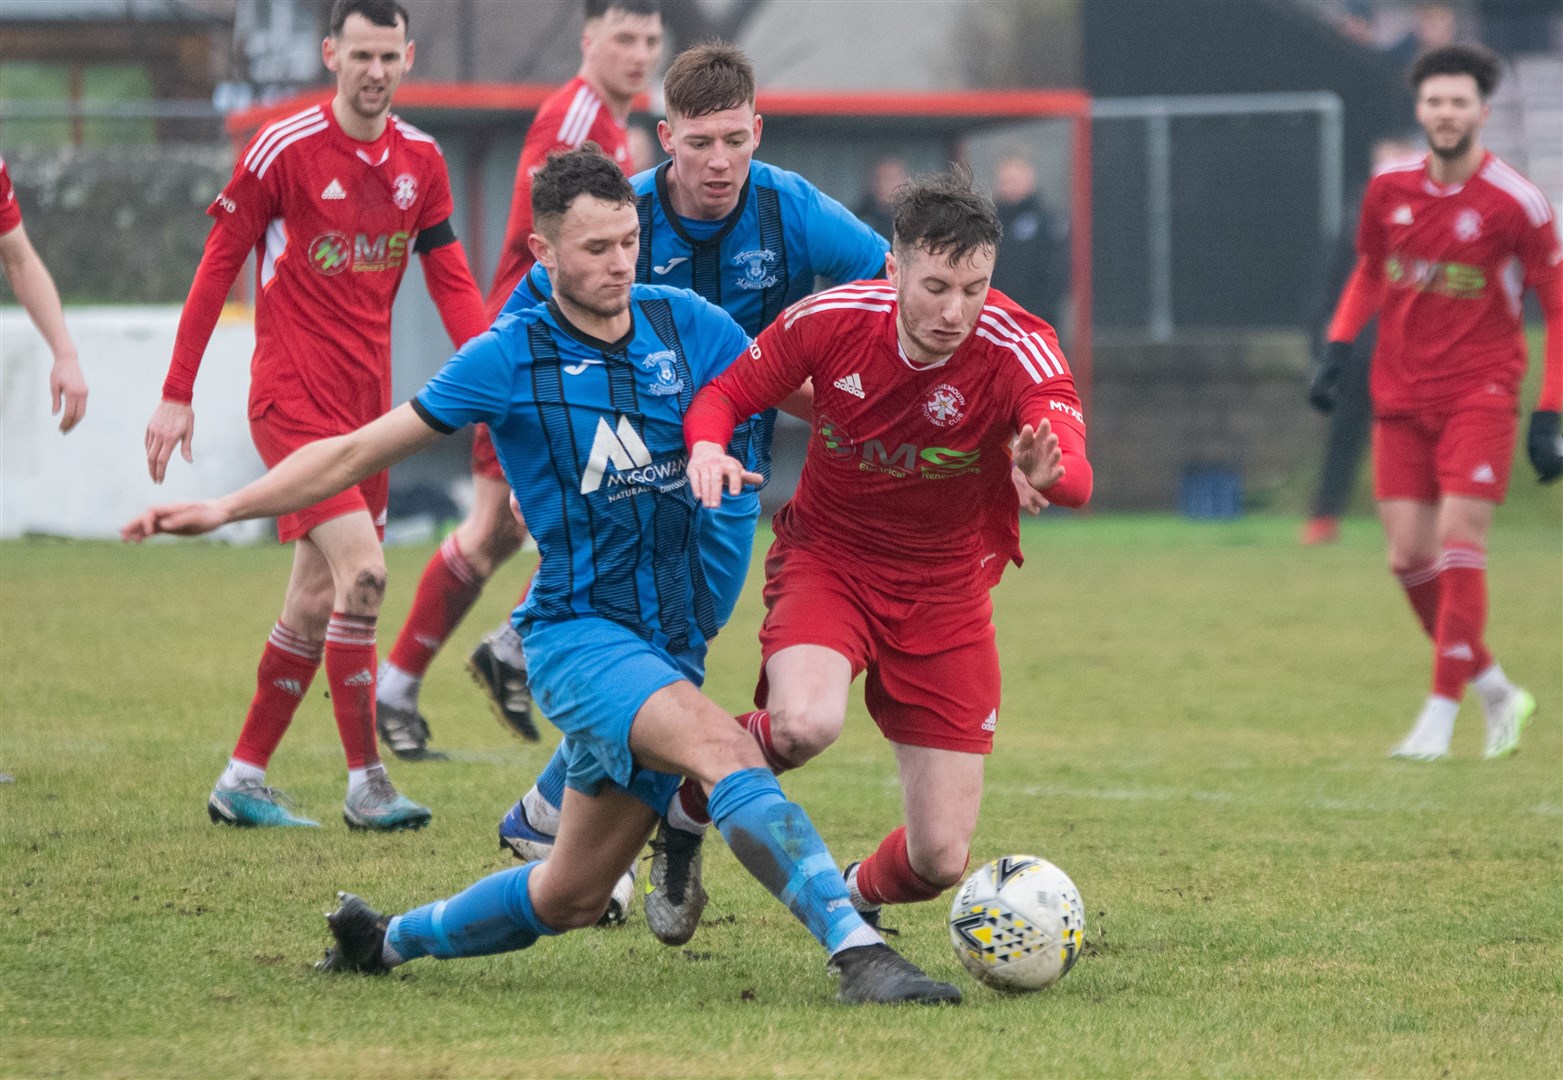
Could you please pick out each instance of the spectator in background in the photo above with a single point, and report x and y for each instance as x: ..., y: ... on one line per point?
x: 1353, y: 412
x: 1433, y: 27
x: 874, y: 208
x: 35, y: 291
x: 1031, y: 266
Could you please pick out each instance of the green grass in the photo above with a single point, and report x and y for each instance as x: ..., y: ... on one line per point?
x: 1194, y: 727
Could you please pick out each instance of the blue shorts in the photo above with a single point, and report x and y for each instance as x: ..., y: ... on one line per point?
x: 590, y: 676
x: 726, y: 545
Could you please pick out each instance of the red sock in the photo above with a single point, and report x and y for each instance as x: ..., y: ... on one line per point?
x: 758, y: 724
x: 287, y: 666
x: 350, y: 669
x: 446, y: 592
x: 887, y: 877
x: 1421, y: 585
x: 1462, y: 617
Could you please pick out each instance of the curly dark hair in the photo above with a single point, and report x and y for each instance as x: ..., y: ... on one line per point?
x: 1473, y: 60
x: 572, y: 173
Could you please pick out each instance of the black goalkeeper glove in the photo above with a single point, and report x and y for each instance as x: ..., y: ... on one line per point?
x: 1325, y: 383
x: 1545, y: 445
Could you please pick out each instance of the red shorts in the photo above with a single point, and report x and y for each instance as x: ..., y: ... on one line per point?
x: 276, y: 437
x: 933, y: 666
x: 485, y: 461
x: 1465, y: 452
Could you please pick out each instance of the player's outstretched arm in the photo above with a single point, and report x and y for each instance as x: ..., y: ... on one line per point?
x: 309, y: 474
x: 711, y: 471
x: 35, y: 291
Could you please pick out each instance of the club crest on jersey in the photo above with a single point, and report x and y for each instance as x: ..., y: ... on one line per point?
x: 945, y: 406
x: 758, y: 268
x: 1468, y: 225
x: 1402, y: 215
x: 404, y: 191
x: 331, y: 253
x: 664, y: 372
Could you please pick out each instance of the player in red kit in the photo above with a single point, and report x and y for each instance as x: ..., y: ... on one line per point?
x: 1446, y: 245
x: 904, y: 516
x: 621, y: 43
x: 35, y: 291
x: 334, y: 201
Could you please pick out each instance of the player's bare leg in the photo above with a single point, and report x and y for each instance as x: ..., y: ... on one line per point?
x: 287, y: 667
x: 807, y: 700
x: 1438, y: 552
x: 599, y: 839
x: 941, y: 794
x: 352, y: 548
x: 450, y: 584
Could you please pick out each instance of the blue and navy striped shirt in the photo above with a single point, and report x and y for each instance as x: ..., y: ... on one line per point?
x: 607, y: 498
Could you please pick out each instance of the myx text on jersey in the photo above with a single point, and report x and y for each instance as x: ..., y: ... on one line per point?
x: 608, y: 502
x: 780, y: 238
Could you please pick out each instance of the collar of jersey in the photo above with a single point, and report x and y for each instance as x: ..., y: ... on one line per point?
x: 608, y: 348
x: 374, y: 154
x: 729, y: 223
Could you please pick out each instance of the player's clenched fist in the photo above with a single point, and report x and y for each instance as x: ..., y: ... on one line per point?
x: 172, y: 424
x: 711, y: 471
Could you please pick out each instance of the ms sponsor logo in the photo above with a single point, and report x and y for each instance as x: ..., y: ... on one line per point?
x: 333, y: 252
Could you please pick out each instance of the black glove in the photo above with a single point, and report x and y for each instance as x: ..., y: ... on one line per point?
x: 1325, y: 383
x: 1544, y: 443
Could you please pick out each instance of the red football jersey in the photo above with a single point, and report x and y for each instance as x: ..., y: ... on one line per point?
x: 332, y: 221
x: 907, y: 475
x: 569, y: 118
x: 10, y: 211
x: 1456, y: 261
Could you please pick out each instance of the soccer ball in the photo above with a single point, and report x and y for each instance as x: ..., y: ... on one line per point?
x: 1017, y: 924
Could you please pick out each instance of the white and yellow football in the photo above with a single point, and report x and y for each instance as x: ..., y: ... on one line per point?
x: 1017, y: 924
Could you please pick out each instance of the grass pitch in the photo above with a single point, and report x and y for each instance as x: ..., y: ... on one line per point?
x: 1195, y: 724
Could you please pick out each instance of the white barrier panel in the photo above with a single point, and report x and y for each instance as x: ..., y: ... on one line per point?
x: 90, y: 482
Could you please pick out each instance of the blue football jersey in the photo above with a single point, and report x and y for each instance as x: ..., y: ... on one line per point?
x: 590, y: 436
x: 783, y: 234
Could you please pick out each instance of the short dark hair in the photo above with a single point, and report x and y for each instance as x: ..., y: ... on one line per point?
x: 944, y: 214
x: 708, y: 78
x: 379, y: 12
x: 596, y: 9
x: 1479, y: 63
x: 571, y: 174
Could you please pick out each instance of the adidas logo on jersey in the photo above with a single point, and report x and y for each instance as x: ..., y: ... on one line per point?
x: 1402, y: 216
x: 1483, y: 474
x: 334, y: 190
x: 851, y: 384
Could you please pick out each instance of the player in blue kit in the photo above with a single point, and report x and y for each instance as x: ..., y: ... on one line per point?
x: 585, y: 397
x: 750, y: 238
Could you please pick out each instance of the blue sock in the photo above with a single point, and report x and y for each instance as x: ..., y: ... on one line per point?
x: 491, y: 916
x: 777, y: 843
x: 550, y: 782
